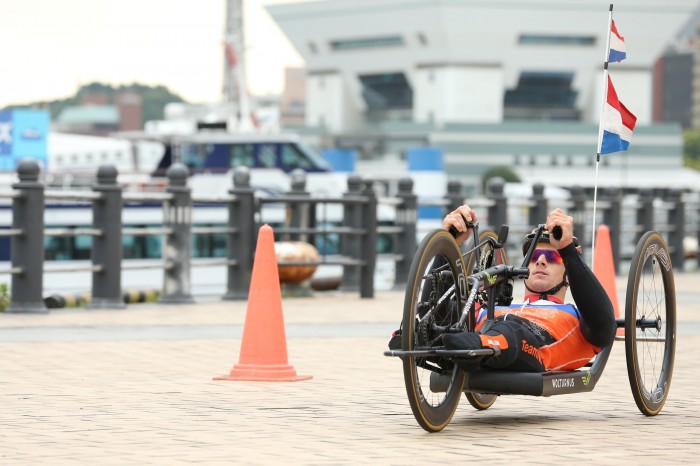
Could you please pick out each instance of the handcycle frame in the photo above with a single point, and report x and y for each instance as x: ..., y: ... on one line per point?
x: 487, y: 285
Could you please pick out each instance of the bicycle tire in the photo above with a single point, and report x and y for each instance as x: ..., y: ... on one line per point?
x: 432, y: 409
x: 482, y: 401
x: 651, y: 298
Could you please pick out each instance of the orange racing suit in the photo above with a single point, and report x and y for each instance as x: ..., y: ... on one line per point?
x: 543, y: 333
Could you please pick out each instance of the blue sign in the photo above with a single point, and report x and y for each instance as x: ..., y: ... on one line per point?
x: 6, y: 133
x: 23, y: 133
x: 342, y: 160
x: 425, y: 159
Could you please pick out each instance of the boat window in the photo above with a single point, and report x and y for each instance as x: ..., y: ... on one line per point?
x: 293, y: 158
x: 312, y: 155
x: 141, y: 247
x: 209, y: 245
x: 154, y: 247
x: 66, y: 248
x: 192, y: 156
x: 267, y: 155
x: 58, y: 248
x: 241, y: 155
x: 83, y: 247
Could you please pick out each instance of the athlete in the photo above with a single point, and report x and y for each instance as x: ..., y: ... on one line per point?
x: 542, y: 333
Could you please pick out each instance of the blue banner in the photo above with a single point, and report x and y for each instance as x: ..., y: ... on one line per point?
x: 23, y: 134
x: 342, y: 160
x: 425, y: 159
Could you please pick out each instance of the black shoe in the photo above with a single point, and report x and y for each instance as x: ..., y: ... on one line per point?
x: 464, y: 341
x: 395, y: 340
x: 461, y: 341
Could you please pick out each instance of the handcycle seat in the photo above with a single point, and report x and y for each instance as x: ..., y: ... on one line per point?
x: 499, y: 382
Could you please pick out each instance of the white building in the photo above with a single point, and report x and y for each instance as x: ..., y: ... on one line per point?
x: 464, y: 61
x: 498, y: 82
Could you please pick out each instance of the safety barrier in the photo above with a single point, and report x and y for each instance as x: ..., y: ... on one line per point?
x: 359, y: 234
x: 675, y: 215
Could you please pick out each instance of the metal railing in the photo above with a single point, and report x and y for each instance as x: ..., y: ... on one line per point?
x: 358, y: 231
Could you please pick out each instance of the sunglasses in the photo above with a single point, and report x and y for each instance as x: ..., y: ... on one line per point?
x: 550, y: 255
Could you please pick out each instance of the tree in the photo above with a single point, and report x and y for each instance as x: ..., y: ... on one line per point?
x: 153, y: 99
x: 500, y: 170
x: 691, y: 148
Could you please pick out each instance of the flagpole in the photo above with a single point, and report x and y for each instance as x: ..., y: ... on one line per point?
x: 600, y: 131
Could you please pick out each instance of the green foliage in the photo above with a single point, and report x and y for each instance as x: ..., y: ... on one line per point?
x: 4, y: 296
x: 500, y: 170
x: 153, y: 99
x: 691, y: 148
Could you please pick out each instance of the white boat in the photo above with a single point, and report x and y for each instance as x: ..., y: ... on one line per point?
x: 211, y: 158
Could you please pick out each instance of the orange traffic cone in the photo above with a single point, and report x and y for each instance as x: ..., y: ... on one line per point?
x: 604, y: 268
x: 264, y: 346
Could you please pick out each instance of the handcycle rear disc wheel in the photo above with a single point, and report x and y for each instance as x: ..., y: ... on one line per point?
x: 650, y: 323
x: 488, y: 257
x: 432, y: 409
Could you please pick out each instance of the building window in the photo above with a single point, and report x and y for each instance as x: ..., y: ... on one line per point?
x: 544, y: 39
x: 386, y: 91
x: 313, y: 48
x: 542, y: 96
x: 367, y: 42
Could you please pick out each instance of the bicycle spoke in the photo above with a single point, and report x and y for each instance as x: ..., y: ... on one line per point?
x: 650, y: 347
x: 433, y: 383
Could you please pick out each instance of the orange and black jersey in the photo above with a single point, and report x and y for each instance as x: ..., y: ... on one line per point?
x: 556, y: 326
x: 569, y: 336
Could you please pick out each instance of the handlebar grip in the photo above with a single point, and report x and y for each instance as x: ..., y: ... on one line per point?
x: 453, y: 231
x: 556, y: 233
x: 520, y: 272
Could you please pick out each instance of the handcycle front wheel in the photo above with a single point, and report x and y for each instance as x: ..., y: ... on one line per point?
x: 488, y: 256
x: 650, y: 323
x: 434, y: 298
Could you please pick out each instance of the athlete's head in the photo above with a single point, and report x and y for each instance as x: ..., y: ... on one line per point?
x: 547, y: 271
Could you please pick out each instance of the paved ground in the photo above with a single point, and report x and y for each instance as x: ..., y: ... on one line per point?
x: 135, y: 387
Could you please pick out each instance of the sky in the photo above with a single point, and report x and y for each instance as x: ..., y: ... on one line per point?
x: 49, y: 48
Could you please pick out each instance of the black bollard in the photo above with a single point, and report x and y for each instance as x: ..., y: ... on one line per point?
x: 178, y: 244
x: 406, y: 218
x: 27, y: 249
x: 369, y: 241
x: 242, y: 240
x: 498, y: 210
x: 351, y: 245
x: 107, y: 247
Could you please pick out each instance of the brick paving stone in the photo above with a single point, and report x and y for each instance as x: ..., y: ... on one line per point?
x: 153, y: 402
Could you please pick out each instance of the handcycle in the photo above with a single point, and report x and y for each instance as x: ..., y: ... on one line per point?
x: 446, y: 288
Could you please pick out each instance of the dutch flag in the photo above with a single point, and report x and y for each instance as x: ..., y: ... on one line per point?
x: 618, y: 123
x: 617, y: 45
